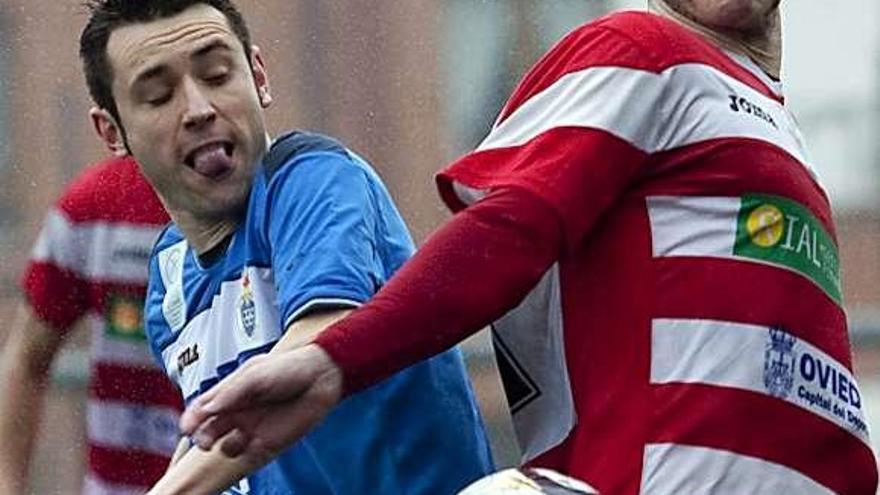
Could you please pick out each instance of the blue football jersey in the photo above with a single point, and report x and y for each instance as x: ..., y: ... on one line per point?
x: 320, y: 232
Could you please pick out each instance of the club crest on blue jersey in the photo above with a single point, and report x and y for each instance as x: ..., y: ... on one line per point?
x: 779, y: 363
x: 247, y: 310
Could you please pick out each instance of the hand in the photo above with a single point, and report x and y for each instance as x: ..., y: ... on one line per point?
x: 267, y: 404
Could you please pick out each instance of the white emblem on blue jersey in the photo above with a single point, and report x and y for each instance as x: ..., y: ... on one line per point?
x: 247, y: 310
x: 779, y: 363
x: 171, y: 270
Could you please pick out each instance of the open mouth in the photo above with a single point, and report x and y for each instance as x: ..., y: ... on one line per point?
x: 212, y: 160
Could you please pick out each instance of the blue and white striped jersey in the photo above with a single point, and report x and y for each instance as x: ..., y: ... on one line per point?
x: 320, y: 232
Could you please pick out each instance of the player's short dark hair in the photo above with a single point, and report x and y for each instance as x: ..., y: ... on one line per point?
x: 107, y: 15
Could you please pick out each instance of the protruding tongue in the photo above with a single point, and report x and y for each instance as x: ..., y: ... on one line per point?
x: 211, y: 161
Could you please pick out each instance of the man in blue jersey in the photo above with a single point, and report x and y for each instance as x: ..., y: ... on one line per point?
x: 270, y: 243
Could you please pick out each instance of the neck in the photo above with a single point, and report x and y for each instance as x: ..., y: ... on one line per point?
x: 203, y: 235
x: 763, y: 46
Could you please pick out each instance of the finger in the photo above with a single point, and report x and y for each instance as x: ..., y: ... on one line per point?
x: 243, y: 389
x: 198, y: 411
x: 234, y: 443
x: 213, y: 428
x: 192, y: 418
x: 194, y: 414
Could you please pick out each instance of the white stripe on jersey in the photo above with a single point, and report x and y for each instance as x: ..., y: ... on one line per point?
x: 757, y: 359
x: 107, y: 251
x: 468, y: 195
x: 671, y: 469
x: 148, y: 428
x: 532, y: 340
x: 208, y: 342
x: 693, y: 226
x: 685, y: 104
x: 707, y: 226
x: 122, y: 352
x: 92, y: 485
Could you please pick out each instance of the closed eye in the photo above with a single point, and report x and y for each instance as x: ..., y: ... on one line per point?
x: 217, y: 79
x: 159, y: 100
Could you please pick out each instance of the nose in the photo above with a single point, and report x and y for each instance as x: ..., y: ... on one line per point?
x: 199, y: 110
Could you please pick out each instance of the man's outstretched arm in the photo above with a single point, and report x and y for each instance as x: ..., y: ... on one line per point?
x: 474, y: 269
x: 210, y: 471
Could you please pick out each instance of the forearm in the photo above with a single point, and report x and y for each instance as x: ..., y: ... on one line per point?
x: 470, y: 272
x: 304, y: 330
x: 24, y: 373
x: 208, y: 472
x: 21, y: 407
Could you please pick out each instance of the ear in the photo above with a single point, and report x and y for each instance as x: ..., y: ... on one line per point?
x: 261, y: 79
x: 108, y: 130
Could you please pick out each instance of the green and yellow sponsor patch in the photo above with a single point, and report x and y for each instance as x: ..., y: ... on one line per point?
x: 780, y: 231
x: 125, y: 318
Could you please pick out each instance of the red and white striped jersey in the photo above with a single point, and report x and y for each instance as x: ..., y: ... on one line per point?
x: 90, y: 261
x: 692, y: 337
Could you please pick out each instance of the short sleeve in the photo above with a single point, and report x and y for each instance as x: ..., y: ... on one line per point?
x: 575, y: 133
x: 52, y: 283
x: 322, y: 223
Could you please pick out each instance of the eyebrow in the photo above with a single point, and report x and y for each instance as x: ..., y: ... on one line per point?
x: 210, y: 47
x: 152, y: 73
x: 159, y: 70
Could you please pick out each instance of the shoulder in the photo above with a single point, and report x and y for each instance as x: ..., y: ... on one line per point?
x: 664, y: 44
x: 637, y: 40
x: 298, y: 144
x: 305, y: 165
x: 112, y: 191
x: 620, y: 49
x: 670, y: 44
x: 170, y: 236
x: 615, y: 44
x: 638, y: 25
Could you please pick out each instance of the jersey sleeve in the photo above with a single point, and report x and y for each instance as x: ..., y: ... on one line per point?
x: 575, y: 133
x: 321, y: 221
x: 52, y: 282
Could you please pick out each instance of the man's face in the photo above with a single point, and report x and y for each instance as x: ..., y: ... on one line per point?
x: 745, y: 16
x: 192, y: 109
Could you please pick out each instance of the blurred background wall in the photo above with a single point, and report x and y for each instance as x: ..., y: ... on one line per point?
x: 411, y: 85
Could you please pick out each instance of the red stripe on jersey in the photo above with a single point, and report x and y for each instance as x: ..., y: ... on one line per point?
x: 701, y: 288
x: 57, y: 296
x: 737, y: 166
x: 94, y: 195
x: 780, y: 433
x: 134, y: 385
x: 579, y: 193
x: 628, y: 40
x: 126, y: 467
x: 100, y: 291
x: 60, y: 297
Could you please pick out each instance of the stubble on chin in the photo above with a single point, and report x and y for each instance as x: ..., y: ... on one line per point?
x: 730, y: 17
